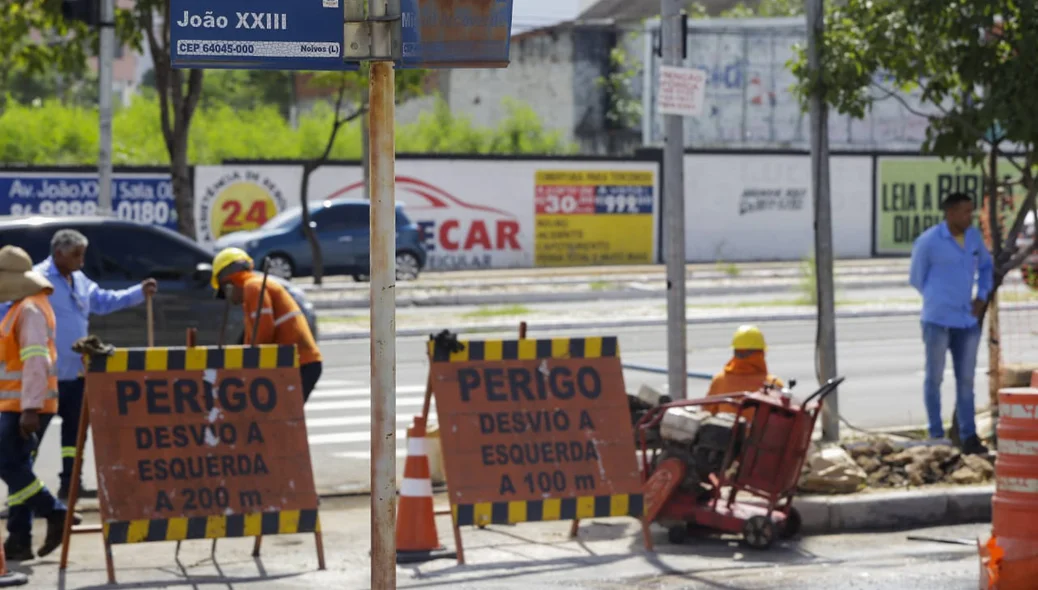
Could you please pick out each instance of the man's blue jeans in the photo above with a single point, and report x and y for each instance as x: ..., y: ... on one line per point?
x: 963, y: 343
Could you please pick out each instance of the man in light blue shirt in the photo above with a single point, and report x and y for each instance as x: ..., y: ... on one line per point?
x: 946, y: 261
x: 75, y: 298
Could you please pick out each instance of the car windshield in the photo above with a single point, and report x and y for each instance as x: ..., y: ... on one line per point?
x: 283, y: 219
x: 291, y: 216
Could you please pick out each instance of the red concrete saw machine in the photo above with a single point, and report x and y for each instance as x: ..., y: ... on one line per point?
x: 728, y: 472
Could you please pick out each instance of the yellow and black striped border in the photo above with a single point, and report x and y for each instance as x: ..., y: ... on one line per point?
x: 197, y: 358
x: 286, y: 522
x: 527, y: 349
x: 583, y: 507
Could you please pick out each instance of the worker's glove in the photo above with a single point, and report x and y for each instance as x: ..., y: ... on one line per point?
x: 447, y: 340
x: 92, y: 345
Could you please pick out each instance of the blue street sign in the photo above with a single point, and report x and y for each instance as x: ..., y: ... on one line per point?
x: 257, y: 34
x: 455, y: 33
x: 308, y: 34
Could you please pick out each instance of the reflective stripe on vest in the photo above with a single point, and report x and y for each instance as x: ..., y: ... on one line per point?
x: 13, y: 357
x: 286, y: 317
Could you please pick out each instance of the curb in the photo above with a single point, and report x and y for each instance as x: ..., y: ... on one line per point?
x: 585, y: 296
x: 897, y: 510
x: 904, y: 311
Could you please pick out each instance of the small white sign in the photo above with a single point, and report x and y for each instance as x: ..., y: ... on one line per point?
x: 682, y: 91
x: 331, y: 3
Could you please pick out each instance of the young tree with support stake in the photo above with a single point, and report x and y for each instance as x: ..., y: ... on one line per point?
x: 973, y: 65
x: 351, y: 95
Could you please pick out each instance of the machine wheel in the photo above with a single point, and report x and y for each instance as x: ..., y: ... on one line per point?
x: 792, y: 524
x: 677, y: 534
x: 759, y: 532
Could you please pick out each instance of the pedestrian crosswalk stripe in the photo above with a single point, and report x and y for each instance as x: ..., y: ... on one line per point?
x: 401, y: 402
x: 334, y: 438
x: 364, y: 392
x: 352, y: 420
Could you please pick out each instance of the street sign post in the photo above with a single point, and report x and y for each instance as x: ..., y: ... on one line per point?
x: 337, y: 35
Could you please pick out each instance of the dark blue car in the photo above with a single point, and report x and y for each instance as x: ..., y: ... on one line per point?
x: 343, y: 230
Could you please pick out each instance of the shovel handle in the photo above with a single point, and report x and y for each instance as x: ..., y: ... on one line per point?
x: 151, y: 321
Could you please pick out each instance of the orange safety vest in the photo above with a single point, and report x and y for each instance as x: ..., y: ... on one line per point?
x: 290, y: 326
x: 11, y: 362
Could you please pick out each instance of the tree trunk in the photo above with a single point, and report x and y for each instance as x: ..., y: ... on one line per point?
x: 994, y: 361
x: 183, y: 187
x: 311, y: 237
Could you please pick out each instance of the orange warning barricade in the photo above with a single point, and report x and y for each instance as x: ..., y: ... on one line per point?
x: 197, y: 443
x: 1009, y: 560
x: 534, y: 430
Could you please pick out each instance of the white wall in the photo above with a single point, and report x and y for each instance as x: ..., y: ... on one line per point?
x: 760, y: 207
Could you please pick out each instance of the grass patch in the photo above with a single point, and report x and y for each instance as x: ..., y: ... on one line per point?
x: 728, y: 268
x: 491, y: 311
x: 601, y: 286
x: 343, y: 319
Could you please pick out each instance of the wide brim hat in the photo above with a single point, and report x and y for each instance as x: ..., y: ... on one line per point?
x: 17, y: 278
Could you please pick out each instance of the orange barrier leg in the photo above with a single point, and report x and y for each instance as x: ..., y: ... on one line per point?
x: 416, y: 537
x: 8, y: 578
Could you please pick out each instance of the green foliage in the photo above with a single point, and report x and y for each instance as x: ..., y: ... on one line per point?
x: 971, y: 62
x: 54, y: 134
x: 624, y: 107
x: 761, y: 9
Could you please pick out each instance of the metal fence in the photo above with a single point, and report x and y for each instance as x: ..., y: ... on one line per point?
x: 749, y: 100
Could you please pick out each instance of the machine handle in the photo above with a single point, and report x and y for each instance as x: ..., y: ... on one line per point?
x: 823, y: 391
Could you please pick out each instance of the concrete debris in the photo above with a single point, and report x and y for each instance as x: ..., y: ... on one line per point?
x: 890, y: 465
x: 831, y: 470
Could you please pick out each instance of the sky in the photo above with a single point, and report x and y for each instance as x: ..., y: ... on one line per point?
x: 532, y: 14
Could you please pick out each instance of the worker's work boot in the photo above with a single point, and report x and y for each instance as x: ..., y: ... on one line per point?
x: 18, y: 549
x: 84, y: 494
x: 55, y: 532
x: 973, y: 446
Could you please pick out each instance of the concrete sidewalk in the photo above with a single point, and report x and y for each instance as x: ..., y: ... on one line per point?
x: 606, y: 554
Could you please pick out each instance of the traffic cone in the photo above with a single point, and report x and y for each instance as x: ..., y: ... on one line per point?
x: 8, y: 578
x: 416, y: 537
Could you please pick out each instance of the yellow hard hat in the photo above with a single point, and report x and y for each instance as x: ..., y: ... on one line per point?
x: 225, y: 259
x: 748, y: 337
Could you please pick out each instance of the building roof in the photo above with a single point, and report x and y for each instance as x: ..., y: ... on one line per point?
x: 636, y: 10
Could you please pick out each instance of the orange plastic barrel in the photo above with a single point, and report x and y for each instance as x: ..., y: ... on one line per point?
x: 1014, y: 518
x: 1015, y: 504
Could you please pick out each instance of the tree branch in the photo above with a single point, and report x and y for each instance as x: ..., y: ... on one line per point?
x: 981, y: 136
x: 162, y: 81
x: 194, y: 94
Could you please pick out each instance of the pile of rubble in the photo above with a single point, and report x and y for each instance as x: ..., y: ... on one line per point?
x: 887, y: 465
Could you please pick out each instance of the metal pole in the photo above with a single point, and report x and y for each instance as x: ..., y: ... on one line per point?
x: 105, y: 64
x: 674, y: 209
x: 365, y: 149
x: 826, y: 340
x: 383, y: 326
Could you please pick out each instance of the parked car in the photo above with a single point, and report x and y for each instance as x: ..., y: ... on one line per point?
x: 122, y: 254
x: 342, y: 229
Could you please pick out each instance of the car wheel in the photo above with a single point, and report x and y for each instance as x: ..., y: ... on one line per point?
x: 280, y: 266
x: 361, y: 278
x: 407, y: 266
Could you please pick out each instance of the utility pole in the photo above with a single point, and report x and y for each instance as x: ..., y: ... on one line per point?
x: 105, y: 65
x: 825, y: 346
x: 673, y: 199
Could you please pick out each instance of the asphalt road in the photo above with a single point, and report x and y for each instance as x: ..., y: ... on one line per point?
x: 880, y: 357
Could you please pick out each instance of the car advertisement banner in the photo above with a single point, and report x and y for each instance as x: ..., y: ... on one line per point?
x: 589, y: 217
x: 513, y: 213
x: 141, y: 197
x: 909, y: 192
x: 241, y: 198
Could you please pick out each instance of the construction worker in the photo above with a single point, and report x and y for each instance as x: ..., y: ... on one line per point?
x: 746, y: 371
x: 28, y: 401
x: 75, y: 299
x: 276, y: 319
